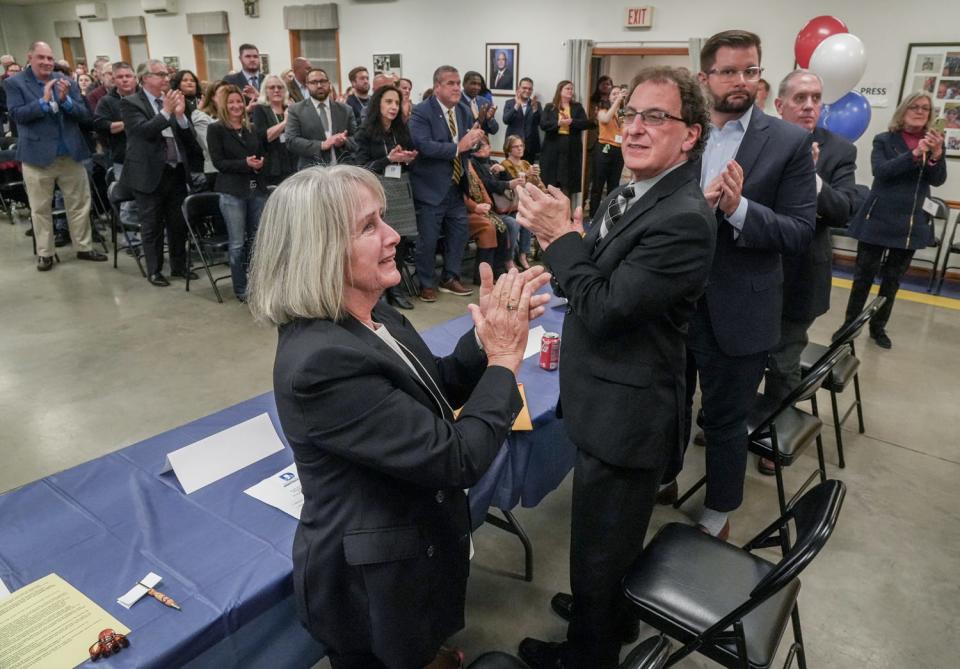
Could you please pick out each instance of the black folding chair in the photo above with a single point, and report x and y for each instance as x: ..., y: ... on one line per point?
x: 208, y: 236
x: 724, y: 602
x: 952, y: 247
x: 12, y: 189
x: 780, y: 432
x: 943, y: 214
x: 846, y: 370
x: 117, y: 194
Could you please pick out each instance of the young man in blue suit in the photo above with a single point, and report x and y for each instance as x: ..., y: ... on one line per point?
x: 522, y: 117
x: 48, y: 110
x: 443, y: 132
x: 758, y: 174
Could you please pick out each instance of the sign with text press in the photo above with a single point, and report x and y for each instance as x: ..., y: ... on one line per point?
x: 639, y: 17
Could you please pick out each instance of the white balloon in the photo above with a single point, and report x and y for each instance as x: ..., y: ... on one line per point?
x: 840, y: 61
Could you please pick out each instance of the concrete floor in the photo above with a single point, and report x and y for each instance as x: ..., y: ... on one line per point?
x: 93, y: 359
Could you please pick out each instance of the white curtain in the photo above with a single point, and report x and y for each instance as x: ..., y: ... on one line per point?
x: 695, y: 46
x: 579, y: 52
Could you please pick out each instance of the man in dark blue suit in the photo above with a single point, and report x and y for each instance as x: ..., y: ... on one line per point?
x: 443, y: 131
x: 758, y: 174
x: 48, y: 110
x: 522, y: 118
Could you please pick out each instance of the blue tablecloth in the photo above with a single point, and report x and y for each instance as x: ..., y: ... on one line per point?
x: 224, y: 556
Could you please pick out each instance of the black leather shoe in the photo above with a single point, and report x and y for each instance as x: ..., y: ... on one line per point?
x: 183, y: 275
x: 668, y: 494
x: 766, y: 467
x: 562, y: 605
x: 542, y: 654
x: 883, y: 341
x: 398, y: 299
x: 158, y: 279
x: 44, y: 264
x: 91, y: 255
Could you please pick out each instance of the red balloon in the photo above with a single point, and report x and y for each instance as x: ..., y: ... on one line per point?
x: 816, y: 30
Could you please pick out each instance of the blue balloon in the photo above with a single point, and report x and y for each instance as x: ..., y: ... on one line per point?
x: 849, y: 116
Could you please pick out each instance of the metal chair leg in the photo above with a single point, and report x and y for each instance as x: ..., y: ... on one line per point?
x: 856, y: 394
x: 836, y: 429
x: 696, y: 486
x: 798, y: 637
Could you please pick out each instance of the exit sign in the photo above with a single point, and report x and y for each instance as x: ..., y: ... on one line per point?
x: 639, y: 17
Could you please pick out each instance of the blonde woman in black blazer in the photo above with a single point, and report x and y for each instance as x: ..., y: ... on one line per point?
x: 380, y: 558
x: 237, y: 153
x: 563, y: 121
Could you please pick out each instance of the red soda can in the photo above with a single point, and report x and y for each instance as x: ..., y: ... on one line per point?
x: 550, y: 351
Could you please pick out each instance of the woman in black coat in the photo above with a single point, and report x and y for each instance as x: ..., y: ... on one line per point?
x: 381, y: 553
x: 563, y: 121
x: 907, y: 161
x: 236, y: 152
x: 269, y: 120
x: 383, y: 146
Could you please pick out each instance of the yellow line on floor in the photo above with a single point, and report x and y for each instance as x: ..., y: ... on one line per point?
x: 909, y: 295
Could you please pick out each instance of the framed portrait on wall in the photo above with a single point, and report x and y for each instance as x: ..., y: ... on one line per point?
x: 388, y: 63
x: 502, y: 67
x: 934, y: 68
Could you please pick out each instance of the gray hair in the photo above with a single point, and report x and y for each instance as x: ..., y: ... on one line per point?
x: 303, y: 244
x: 896, y: 123
x: 785, y: 83
x: 263, y: 90
x: 442, y: 70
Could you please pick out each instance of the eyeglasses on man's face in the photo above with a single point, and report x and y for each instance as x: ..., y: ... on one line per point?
x: 729, y: 74
x: 317, y: 82
x: 162, y: 75
x: 650, y: 117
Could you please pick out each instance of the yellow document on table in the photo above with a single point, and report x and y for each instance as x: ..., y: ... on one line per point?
x: 49, y: 624
x: 523, y: 422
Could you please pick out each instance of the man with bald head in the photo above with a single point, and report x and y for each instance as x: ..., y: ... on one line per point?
x: 298, y: 87
x: 48, y: 110
x: 807, y: 277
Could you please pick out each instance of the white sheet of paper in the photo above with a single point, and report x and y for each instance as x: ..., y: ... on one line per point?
x: 930, y: 206
x: 282, y: 490
x: 219, y: 455
x: 4, y: 593
x: 151, y: 580
x: 533, y: 341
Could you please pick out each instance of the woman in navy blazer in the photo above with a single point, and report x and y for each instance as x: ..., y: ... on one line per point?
x: 380, y: 557
x: 907, y: 161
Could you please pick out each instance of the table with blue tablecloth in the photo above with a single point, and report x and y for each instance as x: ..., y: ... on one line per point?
x: 223, y: 555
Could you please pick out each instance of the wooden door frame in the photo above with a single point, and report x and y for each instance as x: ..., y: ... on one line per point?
x: 199, y: 59
x: 125, y: 48
x: 604, y: 51
x: 296, y: 52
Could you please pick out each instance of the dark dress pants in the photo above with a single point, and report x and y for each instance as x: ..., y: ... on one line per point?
x: 610, y: 513
x: 869, y: 257
x: 449, y: 219
x: 728, y: 389
x: 607, y: 168
x: 159, y: 211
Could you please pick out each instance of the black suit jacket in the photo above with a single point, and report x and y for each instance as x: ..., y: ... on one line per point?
x: 744, y: 296
x: 228, y: 152
x: 381, y: 553
x: 143, y: 163
x: 239, y: 79
x: 807, y: 277
x: 526, y: 125
x: 622, y: 357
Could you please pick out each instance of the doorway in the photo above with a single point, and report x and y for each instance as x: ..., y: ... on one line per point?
x: 621, y: 63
